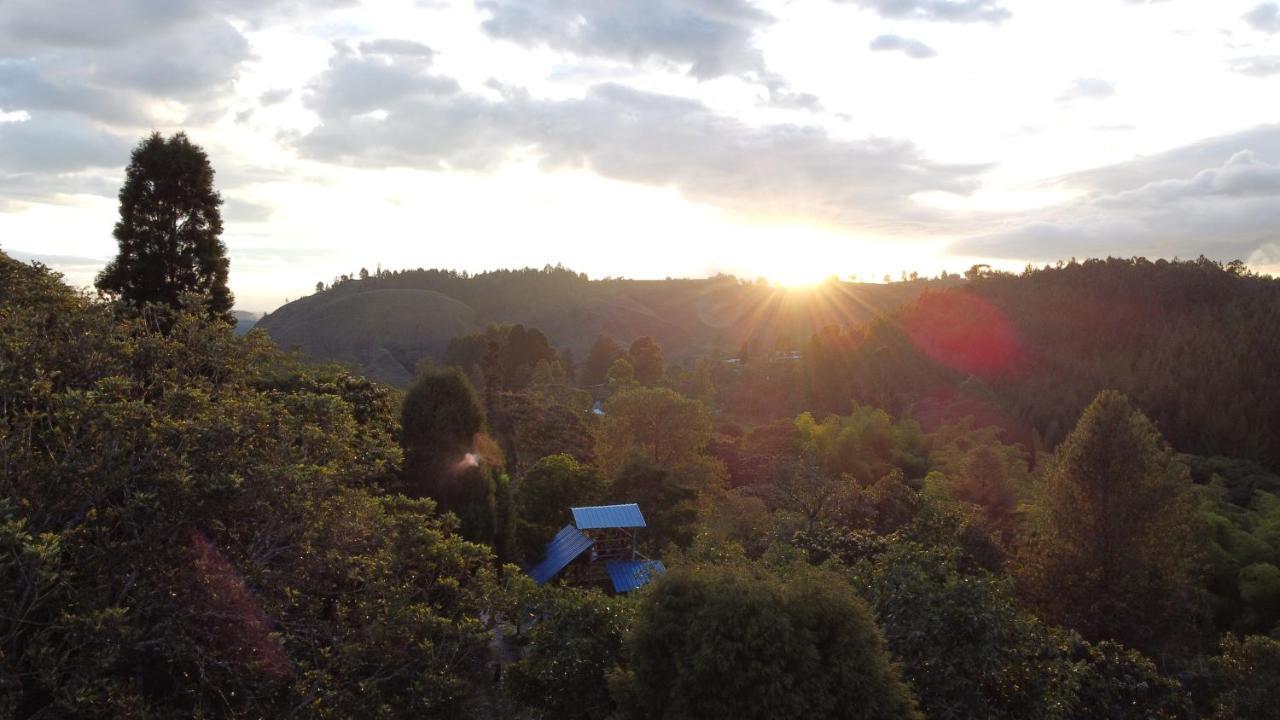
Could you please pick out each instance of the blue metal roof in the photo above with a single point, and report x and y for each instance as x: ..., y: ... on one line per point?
x: 567, y: 545
x: 628, y: 576
x: 608, y: 516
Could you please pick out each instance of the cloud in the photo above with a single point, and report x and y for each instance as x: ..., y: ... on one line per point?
x: 1087, y: 89
x: 1257, y: 66
x: 58, y: 143
x: 707, y: 39
x: 1265, y: 17
x: 958, y: 11
x: 711, y: 37
x: 237, y: 210
x: 275, y: 96
x: 1151, y: 206
x: 774, y: 171
x: 111, y: 61
x: 395, y: 46
x: 911, y: 48
x: 1185, y: 161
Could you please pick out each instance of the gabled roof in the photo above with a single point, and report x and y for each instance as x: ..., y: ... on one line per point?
x: 608, y: 516
x: 563, y: 549
x: 628, y: 576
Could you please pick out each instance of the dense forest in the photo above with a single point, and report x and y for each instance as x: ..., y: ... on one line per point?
x: 201, y: 524
x: 1048, y: 495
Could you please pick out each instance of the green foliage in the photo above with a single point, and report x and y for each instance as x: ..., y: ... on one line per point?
x: 1246, y: 676
x: 169, y: 230
x: 517, y: 353
x: 668, y: 428
x: 739, y: 642
x: 866, y: 445
x: 1244, y: 557
x: 1114, y: 546
x: 544, y: 495
x: 646, y: 357
x: 605, y: 351
x: 1153, y: 330
x: 668, y: 499
x: 959, y: 637
x: 621, y: 375
x: 191, y: 526
x: 446, y: 456
x: 576, y: 640
x: 969, y: 652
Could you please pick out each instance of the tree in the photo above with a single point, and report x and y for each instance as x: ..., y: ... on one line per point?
x: 668, y: 428
x: 169, y: 230
x: 442, y: 433
x: 544, y: 495
x: 646, y: 358
x: 738, y: 642
x: 603, y: 353
x: 1246, y: 676
x: 667, y: 498
x: 234, y: 554
x: 621, y: 375
x: 1113, y: 550
x: 562, y: 671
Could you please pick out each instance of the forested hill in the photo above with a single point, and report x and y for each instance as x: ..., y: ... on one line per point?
x: 386, y: 322
x: 1196, y: 345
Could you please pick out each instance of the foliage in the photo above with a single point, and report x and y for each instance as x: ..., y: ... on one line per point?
x: 1247, y: 674
x: 866, y: 444
x: 605, y: 351
x: 970, y: 652
x: 1055, y: 336
x: 517, y: 351
x: 738, y: 641
x: 544, y: 495
x: 669, y: 429
x: 169, y: 230
x: 1113, y: 551
x: 668, y: 499
x: 576, y: 640
x: 646, y: 357
x: 446, y: 458
x: 188, y: 530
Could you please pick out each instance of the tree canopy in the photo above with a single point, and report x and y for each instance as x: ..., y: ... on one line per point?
x: 169, y: 230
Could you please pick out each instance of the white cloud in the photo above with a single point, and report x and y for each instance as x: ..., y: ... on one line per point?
x: 1087, y: 89
x: 958, y: 11
x: 896, y: 43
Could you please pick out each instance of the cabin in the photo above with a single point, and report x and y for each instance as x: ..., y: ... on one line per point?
x: 599, y: 550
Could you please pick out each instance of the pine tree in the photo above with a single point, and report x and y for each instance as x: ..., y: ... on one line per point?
x: 170, y: 229
x: 1113, y: 552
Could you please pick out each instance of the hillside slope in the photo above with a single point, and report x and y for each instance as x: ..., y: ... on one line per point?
x: 385, y: 324
x: 382, y: 332
x: 1194, y: 343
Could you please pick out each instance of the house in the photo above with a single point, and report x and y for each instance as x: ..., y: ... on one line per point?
x: 599, y: 550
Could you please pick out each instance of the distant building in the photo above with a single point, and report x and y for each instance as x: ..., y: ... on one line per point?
x: 599, y: 550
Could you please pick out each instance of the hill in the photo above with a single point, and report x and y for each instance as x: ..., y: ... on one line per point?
x: 384, y: 331
x: 245, y: 320
x: 386, y: 323
x: 1196, y: 344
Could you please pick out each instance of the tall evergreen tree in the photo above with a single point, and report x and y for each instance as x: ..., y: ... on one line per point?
x: 646, y: 358
x: 1113, y: 551
x: 603, y: 353
x: 169, y: 230
x: 442, y: 425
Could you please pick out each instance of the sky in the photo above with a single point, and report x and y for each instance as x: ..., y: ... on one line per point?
x: 792, y: 140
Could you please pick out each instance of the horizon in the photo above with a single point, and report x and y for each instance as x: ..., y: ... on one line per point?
x: 750, y: 137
